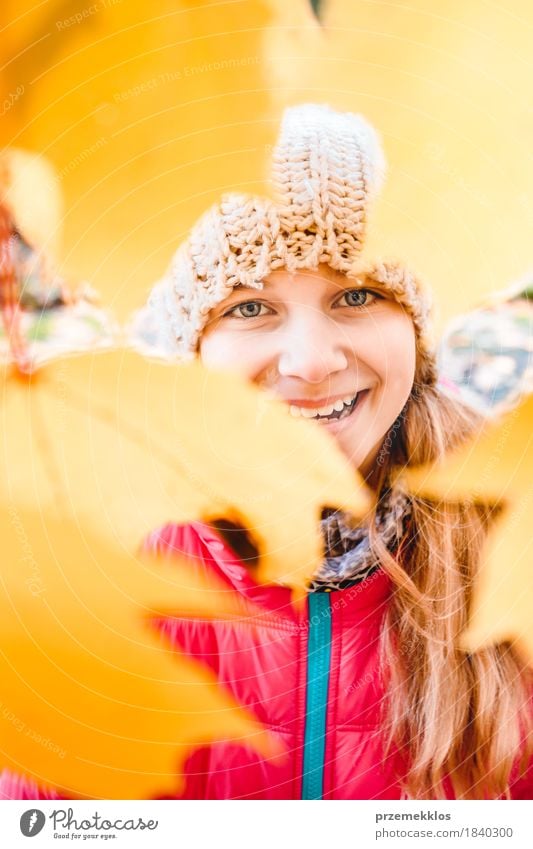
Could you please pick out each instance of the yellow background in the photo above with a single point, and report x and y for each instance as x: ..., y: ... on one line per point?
x: 148, y: 112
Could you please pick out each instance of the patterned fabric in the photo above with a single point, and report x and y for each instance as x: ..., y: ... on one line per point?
x: 488, y: 354
x: 349, y: 558
x: 61, y: 330
x: 38, y: 285
x: 49, y: 324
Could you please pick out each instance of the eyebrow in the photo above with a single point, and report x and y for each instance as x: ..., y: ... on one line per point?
x: 240, y: 292
x: 342, y: 283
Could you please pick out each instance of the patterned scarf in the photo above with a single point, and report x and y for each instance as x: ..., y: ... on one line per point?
x: 349, y: 558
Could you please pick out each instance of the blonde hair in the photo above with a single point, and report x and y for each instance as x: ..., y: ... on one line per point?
x: 460, y: 719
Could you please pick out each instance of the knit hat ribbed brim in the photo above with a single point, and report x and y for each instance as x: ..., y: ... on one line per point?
x: 327, y: 168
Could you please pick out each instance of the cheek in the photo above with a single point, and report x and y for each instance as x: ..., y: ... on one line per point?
x: 401, y: 363
x: 392, y: 358
x: 216, y: 350
x: 222, y: 350
x: 396, y: 343
x: 388, y: 354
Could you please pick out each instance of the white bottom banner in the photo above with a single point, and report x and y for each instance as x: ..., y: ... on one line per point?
x: 269, y: 825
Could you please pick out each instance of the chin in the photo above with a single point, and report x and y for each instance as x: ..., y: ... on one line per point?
x: 363, y: 457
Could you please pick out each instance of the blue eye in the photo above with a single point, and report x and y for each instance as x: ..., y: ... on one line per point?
x: 249, y: 309
x: 358, y: 297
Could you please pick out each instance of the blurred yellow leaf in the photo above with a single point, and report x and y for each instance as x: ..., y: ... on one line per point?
x: 30, y: 190
x: 147, y: 114
x: 496, y: 466
x: 94, y: 703
x: 131, y: 444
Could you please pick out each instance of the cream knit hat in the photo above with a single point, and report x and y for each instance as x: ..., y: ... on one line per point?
x: 327, y: 167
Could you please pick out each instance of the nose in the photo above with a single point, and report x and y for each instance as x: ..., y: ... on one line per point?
x: 311, y: 350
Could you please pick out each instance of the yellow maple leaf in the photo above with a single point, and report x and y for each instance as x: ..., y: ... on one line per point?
x: 495, y: 467
x: 94, y: 702
x: 131, y: 444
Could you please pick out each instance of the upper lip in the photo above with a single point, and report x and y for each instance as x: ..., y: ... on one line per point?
x: 319, y: 402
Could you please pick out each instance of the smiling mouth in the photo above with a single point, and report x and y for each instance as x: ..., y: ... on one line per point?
x: 334, y: 412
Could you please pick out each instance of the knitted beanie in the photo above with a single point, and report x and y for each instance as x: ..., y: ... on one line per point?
x: 327, y: 167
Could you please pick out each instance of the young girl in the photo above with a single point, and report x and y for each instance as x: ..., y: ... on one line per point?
x: 366, y: 686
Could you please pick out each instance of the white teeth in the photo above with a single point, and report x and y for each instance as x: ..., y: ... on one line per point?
x: 313, y: 412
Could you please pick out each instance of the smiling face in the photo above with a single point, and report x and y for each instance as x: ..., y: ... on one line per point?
x: 334, y: 351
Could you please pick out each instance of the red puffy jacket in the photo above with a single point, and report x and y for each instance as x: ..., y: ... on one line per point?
x: 310, y: 674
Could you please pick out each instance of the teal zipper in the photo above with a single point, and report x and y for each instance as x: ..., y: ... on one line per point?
x: 316, y: 697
